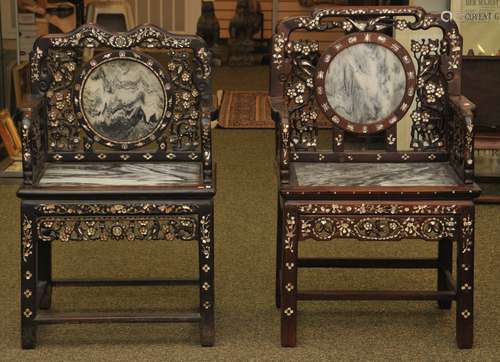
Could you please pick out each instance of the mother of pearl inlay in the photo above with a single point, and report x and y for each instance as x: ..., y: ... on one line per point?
x: 123, y: 100
x: 365, y: 83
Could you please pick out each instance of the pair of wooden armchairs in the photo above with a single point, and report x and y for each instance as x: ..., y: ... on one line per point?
x: 119, y: 148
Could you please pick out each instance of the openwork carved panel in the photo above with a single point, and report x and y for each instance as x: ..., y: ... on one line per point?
x: 428, y: 126
x: 378, y: 228
x: 55, y: 66
x: 438, y: 71
x: 77, y: 222
x: 378, y: 221
x: 300, y: 93
x: 116, y: 228
x: 59, y: 69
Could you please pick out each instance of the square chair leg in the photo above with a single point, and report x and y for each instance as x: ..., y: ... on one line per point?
x: 465, y: 282
x: 206, y: 272
x: 445, y: 261
x: 290, y: 249
x: 29, y: 249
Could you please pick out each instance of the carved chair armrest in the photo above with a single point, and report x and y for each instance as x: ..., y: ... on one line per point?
x: 462, y: 137
x: 279, y: 112
x: 32, y: 142
x: 210, y: 114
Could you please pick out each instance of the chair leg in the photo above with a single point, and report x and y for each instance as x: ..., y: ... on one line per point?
x: 445, y: 258
x: 465, y: 282
x: 290, y: 249
x: 279, y: 255
x: 45, y: 273
x: 206, y: 272
x: 28, y: 282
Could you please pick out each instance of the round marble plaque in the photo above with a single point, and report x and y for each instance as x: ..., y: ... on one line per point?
x: 123, y: 99
x: 365, y: 82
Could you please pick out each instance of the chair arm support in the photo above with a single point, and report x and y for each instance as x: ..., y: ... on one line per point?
x: 279, y: 114
x: 209, y: 114
x: 462, y: 106
x: 462, y: 137
x: 33, y: 154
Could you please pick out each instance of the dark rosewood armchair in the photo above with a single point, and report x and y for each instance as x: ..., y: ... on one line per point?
x: 117, y: 148
x: 364, y: 84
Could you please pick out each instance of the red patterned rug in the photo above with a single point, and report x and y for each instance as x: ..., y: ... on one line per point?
x: 248, y: 109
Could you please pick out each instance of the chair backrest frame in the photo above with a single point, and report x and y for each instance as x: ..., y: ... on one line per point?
x: 56, y: 62
x: 438, y: 62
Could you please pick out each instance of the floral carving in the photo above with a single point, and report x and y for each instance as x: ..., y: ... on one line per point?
x: 377, y: 209
x: 323, y: 228
x: 299, y: 91
x: 206, y: 242
x: 27, y: 238
x: 116, y: 228
x: 377, y: 228
x: 290, y: 223
x: 438, y: 64
x: 467, y: 234
x: 114, y: 209
x: 428, y: 116
x: 57, y: 58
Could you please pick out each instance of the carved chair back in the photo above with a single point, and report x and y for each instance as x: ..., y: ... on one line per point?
x: 364, y: 84
x: 121, y: 105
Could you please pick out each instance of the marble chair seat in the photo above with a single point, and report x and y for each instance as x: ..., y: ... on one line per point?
x: 422, y: 174
x: 121, y: 174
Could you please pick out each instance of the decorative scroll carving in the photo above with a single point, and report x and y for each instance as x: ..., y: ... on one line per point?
x: 114, y: 209
x: 143, y: 37
x: 378, y: 228
x: 383, y: 20
x: 299, y: 90
x: 116, y: 228
x: 428, y: 116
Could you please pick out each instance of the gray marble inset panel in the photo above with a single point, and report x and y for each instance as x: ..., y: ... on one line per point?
x: 123, y: 100
x: 365, y: 83
x: 374, y: 174
x: 122, y: 174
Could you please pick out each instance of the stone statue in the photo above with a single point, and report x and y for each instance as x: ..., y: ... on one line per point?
x: 244, y: 25
x: 208, y: 26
